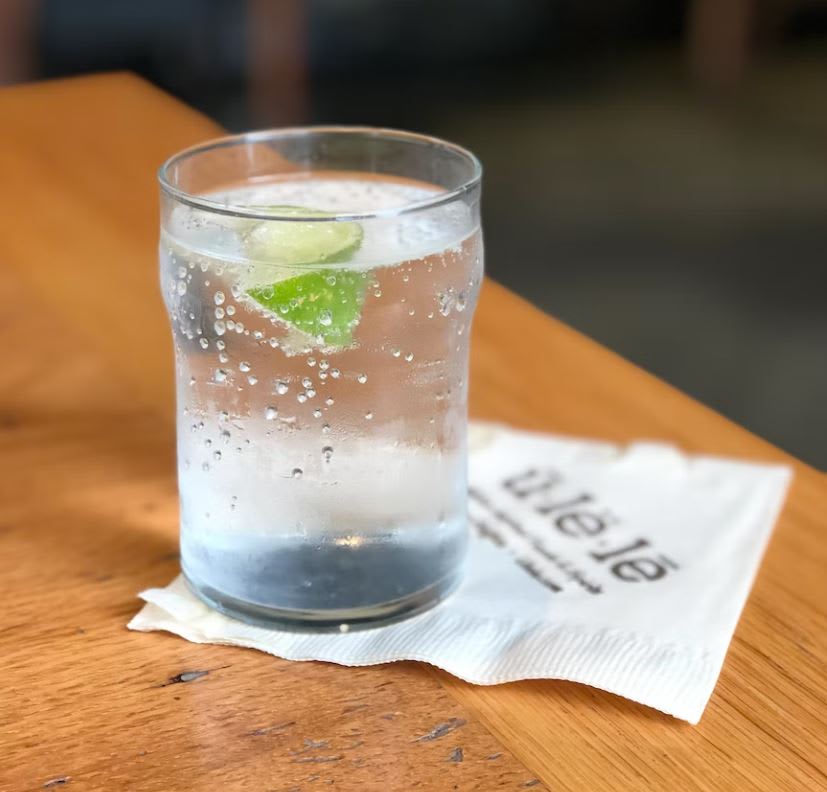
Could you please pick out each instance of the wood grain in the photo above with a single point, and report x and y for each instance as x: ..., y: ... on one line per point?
x: 88, y: 517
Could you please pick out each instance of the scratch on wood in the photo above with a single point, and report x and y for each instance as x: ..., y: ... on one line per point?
x: 312, y: 745
x: 354, y: 708
x: 189, y: 676
x: 319, y: 759
x: 58, y: 781
x: 440, y: 730
x: 493, y: 756
x: 276, y: 727
x: 531, y: 782
x: 456, y: 755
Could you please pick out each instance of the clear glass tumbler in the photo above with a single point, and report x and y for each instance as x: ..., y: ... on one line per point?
x: 320, y: 284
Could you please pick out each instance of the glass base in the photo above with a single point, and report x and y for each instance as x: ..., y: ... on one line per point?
x: 343, y: 620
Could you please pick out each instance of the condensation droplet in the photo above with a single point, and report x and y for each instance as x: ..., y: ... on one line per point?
x: 362, y: 379
x: 219, y: 298
x: 230, y: 310
x: 205, y: 467
x: 207, y: 442
x: 203, y: 343
x: 181, y: 288
x: 220, y: 328
x: 317, y: 413
x: 311, y: 361
x: 216, y: 455
x: 325, y: 318
x: 307, y: 382
x: 327, y: 452
x: 220, y: 375
x: 219, y: 345
x: 225, y: 437
x: 223, y: 357
x: 335, y: 373
x: 396, y: 352
x: 310, y: 393
x: 219, y: 313
x: 409, y: 357
x: 323, y: 365
x: 271, y: 413
x: 274, y: 342
x: 325, y: 428
x: 301, y: 398
x: 281, y: 387
x: 297, y: 473
x: 252, y: 379
x: 244, y: 366
x: 368, y: 416
x: 329, y: 401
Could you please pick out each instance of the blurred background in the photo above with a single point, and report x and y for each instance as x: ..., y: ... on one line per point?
x: 656, y: 170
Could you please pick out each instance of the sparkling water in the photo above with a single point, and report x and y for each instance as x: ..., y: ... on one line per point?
x: 323, y: 482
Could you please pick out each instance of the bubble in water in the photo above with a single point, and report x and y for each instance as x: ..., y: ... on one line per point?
x: 409, y: 357
x: 317, y: 413
x: 252, y: 379
x: 362, y: 379
x: 368, y: 416
x: 244, y: 366
x: 203, y: 343
x: 216, y: 455
x: 329, y: 402
x: 230, y: 310
x: 181, y: 288
x: 325, y: 318
x: 219, y: 298
x: 327, y: 452
x: 297, y: 473
x: 271, y: 413
x: 220, y: 328
x: 396, y: 352
x: 220, y: 375
x: 335, y: 373
x: 281, y: 387
x: 301, y: 398
x: 331, y: 280
x: 445, y: 301
x: 307, y: 382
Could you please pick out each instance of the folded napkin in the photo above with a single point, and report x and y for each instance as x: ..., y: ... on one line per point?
x: 624, y: 568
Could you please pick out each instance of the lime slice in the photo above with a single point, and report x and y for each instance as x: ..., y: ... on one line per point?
x: 324, y: 303
x: 294, y: 242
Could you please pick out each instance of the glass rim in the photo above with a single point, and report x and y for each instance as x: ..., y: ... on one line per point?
x: 238, y: 210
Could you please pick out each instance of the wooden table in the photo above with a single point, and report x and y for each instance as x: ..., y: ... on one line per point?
x: 88, y: 517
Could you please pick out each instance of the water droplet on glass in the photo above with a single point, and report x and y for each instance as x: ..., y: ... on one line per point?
x: 317, y: 413
x: 230, y: 310
x: 327, y: 452
x: 329, y: 402
x: 406, y: 278
x: 335, y: 373
x: 301, y: 398
x: 362, y: 379
x: 396, y: 352
x: 325, y: 428
x: 281, y: 387
x: 310, y: 393
x: 216, y: 455
x: 223, y: 357
x: 181, y: 288
x: 219, y: 298
x: 192, y: 382
x: 207, y: 442
x: 368, y: 416
x: 220, y: 328
x: 274, y: 342
x: 230, y: 324
x: 311, y: 361
x: 223, y: 416
x: 271, y: 413
x: 225, y: 437
x: 297, y: 473
x: 323, y: 365
x: 460, y: 301
x: 219, y: 345
x: 325, y: 318
x: 252, y: 379
x: 307, y: 382
x: 205, y: 467
x: 331, y: 280
x: 239, y: 327
x: 244, y: 366
x: 412, y: 312
x: 203, y: 343
x: 258, y: 335
x: 220, y: 375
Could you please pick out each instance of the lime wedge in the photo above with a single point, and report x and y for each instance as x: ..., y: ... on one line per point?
x: 294, y: 242
x: 324, y: 303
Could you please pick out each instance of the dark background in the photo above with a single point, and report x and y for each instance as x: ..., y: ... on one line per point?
x: 656, y: 171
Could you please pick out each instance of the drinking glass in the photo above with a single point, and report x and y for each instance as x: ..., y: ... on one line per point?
x: 320, y: 284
